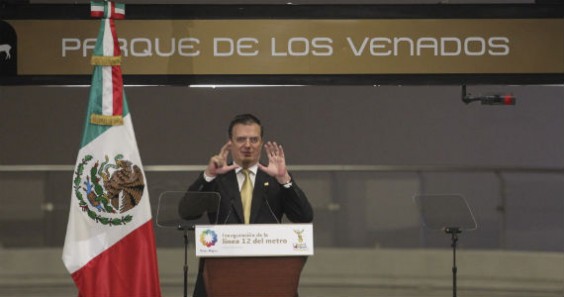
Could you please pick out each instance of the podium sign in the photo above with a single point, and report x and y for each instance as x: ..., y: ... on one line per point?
x: 254, y: 240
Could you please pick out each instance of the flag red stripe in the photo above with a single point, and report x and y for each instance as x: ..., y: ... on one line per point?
x: 96, y: 14
x: 117, y: 51
x: 128, y: 268
x: 117, y: 80
x: 117, y: 83
x: 111, y: 10
x: 116, y: 15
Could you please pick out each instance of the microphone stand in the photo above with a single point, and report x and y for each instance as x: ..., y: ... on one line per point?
x: 185, y: 230
x: 453, y: 231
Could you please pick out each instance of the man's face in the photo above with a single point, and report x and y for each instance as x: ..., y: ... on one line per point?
x: 246, y: 144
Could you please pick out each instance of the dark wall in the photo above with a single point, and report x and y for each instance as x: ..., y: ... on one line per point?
x: 331, y: 125
x: 316, y: 125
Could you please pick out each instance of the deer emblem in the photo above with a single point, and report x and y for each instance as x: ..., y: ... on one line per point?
x: 300, y: 235
x: 5, y: 48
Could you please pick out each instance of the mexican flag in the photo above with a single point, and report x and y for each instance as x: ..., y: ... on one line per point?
x: 110, y: 244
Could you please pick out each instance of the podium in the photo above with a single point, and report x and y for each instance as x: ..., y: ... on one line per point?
x: 253, y: 276
x: 253, y: 260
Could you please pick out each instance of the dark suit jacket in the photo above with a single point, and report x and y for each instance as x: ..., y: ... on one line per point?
x: 270, y: 202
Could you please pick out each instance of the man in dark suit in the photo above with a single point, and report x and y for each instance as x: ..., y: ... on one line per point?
x: 274, y: 192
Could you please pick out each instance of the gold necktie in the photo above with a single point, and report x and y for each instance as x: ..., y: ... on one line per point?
x: 247, y: 196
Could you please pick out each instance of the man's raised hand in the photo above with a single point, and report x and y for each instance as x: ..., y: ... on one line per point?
x: 276, y: 163
x: 218, y: 163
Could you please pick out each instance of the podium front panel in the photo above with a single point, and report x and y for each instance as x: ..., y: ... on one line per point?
x: 253, y: 276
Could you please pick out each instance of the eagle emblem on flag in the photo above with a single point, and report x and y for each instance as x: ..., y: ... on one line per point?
x: 109, y: 189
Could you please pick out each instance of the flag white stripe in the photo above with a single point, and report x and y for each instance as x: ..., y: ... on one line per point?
x: 107, y: 81
x: 107, y: 91
x: 119, y: 9
x: 110, y: 10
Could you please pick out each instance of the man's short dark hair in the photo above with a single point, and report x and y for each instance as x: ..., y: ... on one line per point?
x: 245, y: 119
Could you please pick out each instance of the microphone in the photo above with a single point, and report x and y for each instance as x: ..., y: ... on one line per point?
x: 268, y: 205
x: 271, y: 212
x: 230, y: 211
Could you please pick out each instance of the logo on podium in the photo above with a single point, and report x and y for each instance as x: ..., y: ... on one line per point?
x: 208, y: 238
x: 300, y: 245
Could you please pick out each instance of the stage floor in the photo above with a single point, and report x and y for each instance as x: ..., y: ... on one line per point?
x: 177, y: 290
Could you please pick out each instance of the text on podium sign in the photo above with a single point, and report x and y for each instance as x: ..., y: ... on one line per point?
x: 254, y: 240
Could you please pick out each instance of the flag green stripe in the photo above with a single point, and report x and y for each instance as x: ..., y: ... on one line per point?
x: 99, y: 48
x: 92, y: 131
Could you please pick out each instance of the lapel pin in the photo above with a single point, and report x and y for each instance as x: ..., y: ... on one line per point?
x: 266, y: 184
